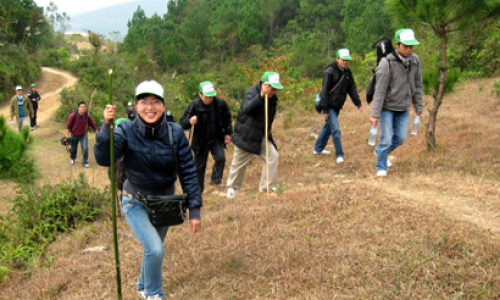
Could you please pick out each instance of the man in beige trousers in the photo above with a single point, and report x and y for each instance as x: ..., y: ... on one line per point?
x: 249, y: 133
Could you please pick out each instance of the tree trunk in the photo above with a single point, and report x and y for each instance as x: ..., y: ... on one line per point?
x: 438, y: 99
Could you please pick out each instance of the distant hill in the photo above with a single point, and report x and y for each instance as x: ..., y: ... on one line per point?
x: 115, y: 17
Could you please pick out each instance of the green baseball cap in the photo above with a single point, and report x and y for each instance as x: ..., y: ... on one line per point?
x: 273, y: 79
x: 344, y: 54
x: 33, y: 85
x: 406, y: 36
x: 207, y: 89
x: 150, y: 87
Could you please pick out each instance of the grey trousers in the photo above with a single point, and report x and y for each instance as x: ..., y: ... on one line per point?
x: 24, y: 121
x: 242, y: 158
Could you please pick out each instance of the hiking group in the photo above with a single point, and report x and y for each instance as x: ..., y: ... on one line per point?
x: 154, y: 151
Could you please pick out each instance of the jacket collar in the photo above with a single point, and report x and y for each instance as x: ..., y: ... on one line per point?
x: 202, y: 107
x: 149, y: 131
x: 335, y: 65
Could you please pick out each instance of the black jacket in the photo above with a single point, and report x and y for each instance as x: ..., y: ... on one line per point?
x: 34, y: 97
x: 336, y: 99
x: 251, y: 122
x: 222, y: 117
x: 148, y: 161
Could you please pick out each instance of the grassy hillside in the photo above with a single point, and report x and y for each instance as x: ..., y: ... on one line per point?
x: 430, y: 230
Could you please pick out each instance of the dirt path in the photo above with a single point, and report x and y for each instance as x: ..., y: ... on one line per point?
x: 51, y: 157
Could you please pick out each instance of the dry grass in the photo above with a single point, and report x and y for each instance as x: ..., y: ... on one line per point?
x: 427, y: 231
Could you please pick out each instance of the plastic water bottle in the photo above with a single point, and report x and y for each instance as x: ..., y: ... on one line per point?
x: 318, y: 99
x: 372, y: 138
x: 11, y: 123
x: 414, y: 128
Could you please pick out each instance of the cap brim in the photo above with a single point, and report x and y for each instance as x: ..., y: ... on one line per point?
x: 276, y: 85
x: 410, y: 43
x: 210, y: 94
x: 346, y: 57
x: 150, y: 93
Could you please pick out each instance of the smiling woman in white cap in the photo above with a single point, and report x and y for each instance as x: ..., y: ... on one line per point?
x: 21, y: 108
x: 150, y: 168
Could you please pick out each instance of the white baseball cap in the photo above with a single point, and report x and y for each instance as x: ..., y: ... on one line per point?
x: 150, y: 87
x: 18, y: 87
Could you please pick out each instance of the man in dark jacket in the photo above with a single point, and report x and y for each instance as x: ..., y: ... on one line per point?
x: 210, y: 120
x: 78, y: 124
x: 34, y: 96
x: 249, y: 133
x: 337, y: 83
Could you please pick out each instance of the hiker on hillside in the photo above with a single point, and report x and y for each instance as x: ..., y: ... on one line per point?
x: 337, y: 83
x: 21, y: 108
x: 210, y: 120
x: 131, y: 112
x: 150, y: 170
x: 34, y: 96
x: 78, y: 124
x: 399, y: 84
x: 249, y: 133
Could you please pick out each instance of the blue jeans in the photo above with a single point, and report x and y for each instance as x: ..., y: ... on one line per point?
x: 151, y: 238
x: 84, y: 141
x: 393, y: 131
x: 332, y: 127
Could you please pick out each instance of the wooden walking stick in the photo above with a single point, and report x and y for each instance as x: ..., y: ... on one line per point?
x: 267, y: 146
x: 113, y: 189
x: 191, y: 133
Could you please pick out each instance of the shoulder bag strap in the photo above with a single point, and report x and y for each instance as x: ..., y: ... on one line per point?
x: 341, y: 78
x: 171, y: 141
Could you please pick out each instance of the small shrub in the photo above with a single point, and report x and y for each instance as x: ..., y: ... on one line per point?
x: 39, y: 214
x: 16, y: 163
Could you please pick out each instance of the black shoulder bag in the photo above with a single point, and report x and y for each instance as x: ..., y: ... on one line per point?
x: 167, y: 210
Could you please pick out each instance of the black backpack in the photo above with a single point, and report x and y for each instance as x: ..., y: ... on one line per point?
x: 384, y: 47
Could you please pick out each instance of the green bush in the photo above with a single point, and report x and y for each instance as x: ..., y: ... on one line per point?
x: 55, y: 58
x: 39, y: 214
x: 17, y: 66
x: 16, y: 163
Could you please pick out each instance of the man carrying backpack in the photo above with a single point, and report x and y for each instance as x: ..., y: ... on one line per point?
x: 399, y: 84
x: 337, y: 83
x: 78, y: 124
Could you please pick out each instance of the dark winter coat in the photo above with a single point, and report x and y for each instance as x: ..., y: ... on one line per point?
x: 222, y: 116
x: 251, y: 122
x: 148, y: 161
x: 336, y: 99
x: 34, y: 97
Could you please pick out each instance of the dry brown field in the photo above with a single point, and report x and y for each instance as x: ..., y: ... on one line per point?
x: 430, y: 230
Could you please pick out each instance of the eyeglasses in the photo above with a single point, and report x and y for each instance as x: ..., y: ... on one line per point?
x: 145, y: 103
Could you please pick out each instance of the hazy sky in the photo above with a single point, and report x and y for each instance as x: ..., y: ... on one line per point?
x: 74, y: 8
